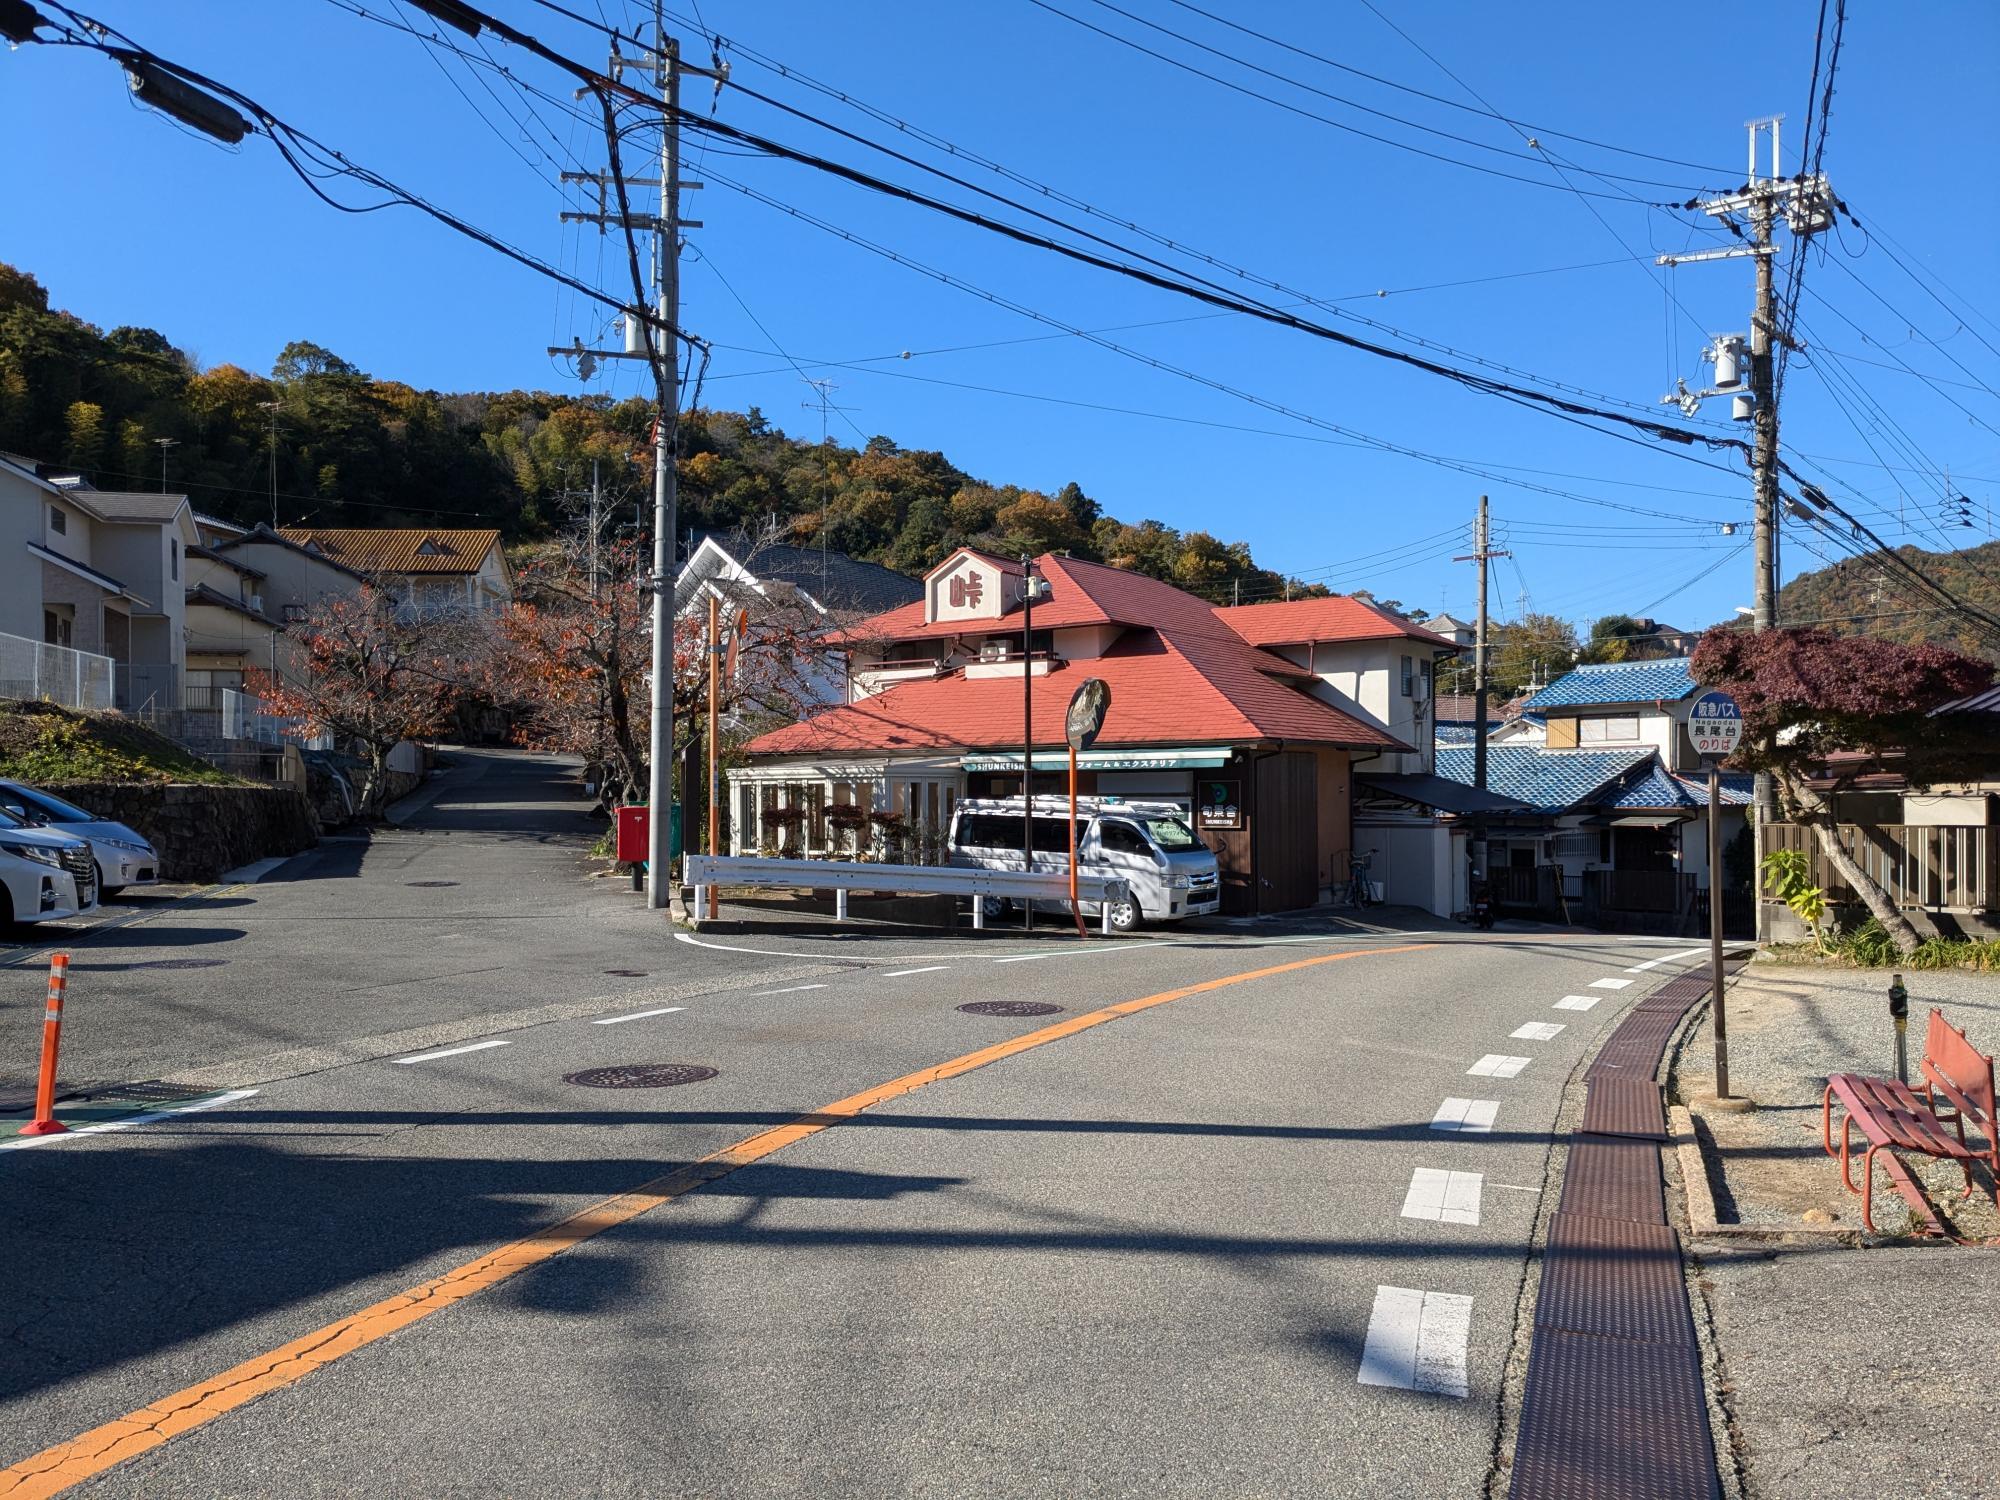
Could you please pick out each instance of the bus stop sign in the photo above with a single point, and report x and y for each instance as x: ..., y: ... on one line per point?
x: 1715, y: 725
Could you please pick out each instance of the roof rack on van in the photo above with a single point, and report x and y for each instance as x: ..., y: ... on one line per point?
x: 1056, y: 806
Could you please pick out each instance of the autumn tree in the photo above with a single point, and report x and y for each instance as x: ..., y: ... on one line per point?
x: 1534, y: 648
x: 1821, y: 709
x: 571, y: 659
x: 369, y: 677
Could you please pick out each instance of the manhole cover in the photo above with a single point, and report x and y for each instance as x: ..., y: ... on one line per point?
x: 641, y: 1076
x: 629, y: 973
x: 430, y: 884
x: 181, y: 963
x: 1010, y: 1008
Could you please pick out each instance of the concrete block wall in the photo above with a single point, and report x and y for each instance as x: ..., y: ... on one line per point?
x: 203, y: 831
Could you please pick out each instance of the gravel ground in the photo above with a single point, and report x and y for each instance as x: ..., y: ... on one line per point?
x: 1789, y: 1027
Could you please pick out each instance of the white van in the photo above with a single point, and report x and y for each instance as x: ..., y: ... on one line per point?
x: 1149, y: 845
x: 44, y: 875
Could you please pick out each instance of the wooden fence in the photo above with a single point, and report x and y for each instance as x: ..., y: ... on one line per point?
x: 1665, y: 892
x: 1953, y: 867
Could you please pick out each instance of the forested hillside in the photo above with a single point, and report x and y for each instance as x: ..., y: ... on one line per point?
x: 1858, y: 597
x: 356, y: 450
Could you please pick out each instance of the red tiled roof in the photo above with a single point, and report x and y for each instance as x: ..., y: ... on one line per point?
x: 1337, y: 617
x: 1182, y: 689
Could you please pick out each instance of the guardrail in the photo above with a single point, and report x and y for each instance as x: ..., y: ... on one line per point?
x: 842, y: 876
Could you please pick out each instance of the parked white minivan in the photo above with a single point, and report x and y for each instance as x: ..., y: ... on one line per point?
x: 124, y: 857
x: 1170, y: 873
x: 44, y: 875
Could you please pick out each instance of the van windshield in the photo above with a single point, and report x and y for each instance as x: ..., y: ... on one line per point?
x: 1172, y: 835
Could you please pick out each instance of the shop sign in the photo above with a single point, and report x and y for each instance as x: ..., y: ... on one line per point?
x: 1219, y: 804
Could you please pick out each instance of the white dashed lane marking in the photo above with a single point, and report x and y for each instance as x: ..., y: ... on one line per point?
x: 1537, y: 1031
x: 1665, y: 958
x: 1466, y: 1116
x: 1493, y: 1065
x: 1416, y: 1341
x: 1448, y: 1197
x: 1577, y: 1002
x: 1610, y: 984
x: 453, y: 1051
x: 639, y: 1015
x: 791, y: 989
x: 928, y: 969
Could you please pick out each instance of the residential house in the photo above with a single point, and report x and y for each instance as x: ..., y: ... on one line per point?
x: 97, y: 572
x: 424, y: 571
x: 798, y: 593
x: 229, y: 632
x: 1623, y: 790
x: 1252, y: 719
x: 1459, y: 632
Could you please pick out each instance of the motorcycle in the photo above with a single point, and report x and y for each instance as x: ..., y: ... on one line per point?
x: 1481, y: 914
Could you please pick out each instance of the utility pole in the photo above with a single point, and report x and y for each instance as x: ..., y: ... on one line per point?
x: 1482, y: 554
x: 165, y: 444
x: 660, y: 348
x: 271, y: 410
x: 1806, y: 204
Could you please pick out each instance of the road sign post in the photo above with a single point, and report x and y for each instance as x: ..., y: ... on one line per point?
x: 1716, y: 727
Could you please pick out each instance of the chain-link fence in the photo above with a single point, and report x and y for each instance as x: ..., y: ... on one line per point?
x: 75, y: 679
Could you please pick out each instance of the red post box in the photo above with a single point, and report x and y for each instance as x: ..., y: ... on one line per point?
x: 634, y: 831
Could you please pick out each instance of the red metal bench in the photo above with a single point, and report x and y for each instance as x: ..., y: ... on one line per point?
x: 1894, y: 1118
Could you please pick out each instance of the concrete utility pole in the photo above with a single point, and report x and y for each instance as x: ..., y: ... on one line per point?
x: 1806, y: 203
x: 165, y: 444
x: 1482, y: 554
x: 658, y: 347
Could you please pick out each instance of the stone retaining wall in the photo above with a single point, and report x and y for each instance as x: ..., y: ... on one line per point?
x: 202, y: 831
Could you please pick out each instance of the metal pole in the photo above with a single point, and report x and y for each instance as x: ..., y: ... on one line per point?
x: 666, y: 274
x: 1479, y: 657
x: 1074, y: 910
x: 1715, y: 927
x: 1027, y: 731
x: 714, y: 754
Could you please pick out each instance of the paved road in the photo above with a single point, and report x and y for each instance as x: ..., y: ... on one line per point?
x: 1145, y: 1257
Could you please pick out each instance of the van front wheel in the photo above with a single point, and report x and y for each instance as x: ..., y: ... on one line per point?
x: 1124, y: 916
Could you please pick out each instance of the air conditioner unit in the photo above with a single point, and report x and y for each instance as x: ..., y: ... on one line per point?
x: 995, y: 650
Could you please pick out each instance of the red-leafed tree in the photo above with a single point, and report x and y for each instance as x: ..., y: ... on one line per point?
x: 371, y: 678
x: 572, y: 659
x: 1821, y: 709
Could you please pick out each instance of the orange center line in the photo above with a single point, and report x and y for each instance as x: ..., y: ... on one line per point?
x: 56, y: 1468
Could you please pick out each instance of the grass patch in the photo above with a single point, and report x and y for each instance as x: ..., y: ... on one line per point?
x: 43, y: 744
x: 1869, y: 946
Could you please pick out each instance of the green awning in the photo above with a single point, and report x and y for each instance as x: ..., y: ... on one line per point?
x: 1164, y: 759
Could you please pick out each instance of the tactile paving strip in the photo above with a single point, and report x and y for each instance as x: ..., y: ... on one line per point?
x: 1614, y: 1177
x: 1612, y: 1419
x: 1614, y: 1278
x: 1625, y: 1106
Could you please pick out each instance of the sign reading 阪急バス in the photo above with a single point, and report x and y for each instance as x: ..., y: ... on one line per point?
x: 1715, y: 724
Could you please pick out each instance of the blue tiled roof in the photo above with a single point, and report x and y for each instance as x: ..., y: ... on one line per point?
x: 1547, y: 780
x: 1454, y: 734
x: 1618, y: 682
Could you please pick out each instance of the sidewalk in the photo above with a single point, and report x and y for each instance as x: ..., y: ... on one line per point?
x: 1845, y: 1369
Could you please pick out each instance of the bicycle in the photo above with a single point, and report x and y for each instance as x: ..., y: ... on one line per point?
x: 1358, y: 891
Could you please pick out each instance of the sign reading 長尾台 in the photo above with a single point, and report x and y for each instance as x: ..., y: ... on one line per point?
x: 1715, y: 724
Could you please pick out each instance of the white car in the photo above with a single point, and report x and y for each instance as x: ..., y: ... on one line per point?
x: 44, y: 875
x: 123, y: 856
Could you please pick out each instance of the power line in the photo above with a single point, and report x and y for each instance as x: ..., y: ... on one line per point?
x: 1308, y: 114
x: 1488, y: 113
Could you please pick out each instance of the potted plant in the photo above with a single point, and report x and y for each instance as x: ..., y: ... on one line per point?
x: 894, y: 833
x: 845, y: 822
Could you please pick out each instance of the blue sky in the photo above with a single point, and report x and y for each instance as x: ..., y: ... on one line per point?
x: 130, y: 220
